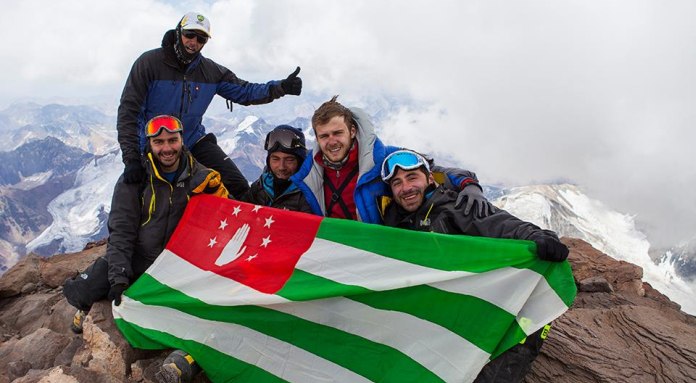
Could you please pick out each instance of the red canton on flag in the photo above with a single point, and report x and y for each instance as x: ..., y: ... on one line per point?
x: 236, y: 240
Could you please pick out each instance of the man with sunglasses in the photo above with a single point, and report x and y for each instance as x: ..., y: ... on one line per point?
x: 420, y: 204
x: 341, y: 178
x: 286, y: 151
x: 143, y: 216
x: 177, y: 80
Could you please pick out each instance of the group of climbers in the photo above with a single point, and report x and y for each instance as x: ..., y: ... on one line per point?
x: 349, y: 174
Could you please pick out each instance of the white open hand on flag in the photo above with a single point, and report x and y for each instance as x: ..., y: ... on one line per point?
x: 235, y: 247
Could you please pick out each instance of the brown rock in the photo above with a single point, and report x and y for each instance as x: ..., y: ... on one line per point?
x: 105, y: 351
x: 56, y: 269
x: 587, y: 262
x: 616, y: 337
x: 595, y: 285
x: 39, y: 349
x: 25, y: 271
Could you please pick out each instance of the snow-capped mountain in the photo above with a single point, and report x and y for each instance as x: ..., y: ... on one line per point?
x: 569, y: 212
x: 682, y: 257
x: 81, y: 126
x: 31, y: 176
x: 80, y: 213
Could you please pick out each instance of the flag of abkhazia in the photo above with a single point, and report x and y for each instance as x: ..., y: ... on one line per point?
x: 257, y: 294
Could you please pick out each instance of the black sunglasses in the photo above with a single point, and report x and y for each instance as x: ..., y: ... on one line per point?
x: 202, y: 39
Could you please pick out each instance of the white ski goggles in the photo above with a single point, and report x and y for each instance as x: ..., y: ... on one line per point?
x: 404, y: 159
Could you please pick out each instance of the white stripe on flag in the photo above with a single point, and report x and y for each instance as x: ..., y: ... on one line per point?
x: 543, y: 306
x: 449, y: 356
x: 279, y: 358
x: 353, y: 266
x: 507, y: 288
x: 179, y: 274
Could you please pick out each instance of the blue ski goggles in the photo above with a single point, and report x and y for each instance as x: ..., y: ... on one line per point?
x: 404, y: 159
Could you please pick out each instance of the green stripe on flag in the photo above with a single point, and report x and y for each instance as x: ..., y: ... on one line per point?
x: 358, y: 354
x: 208, y: 358
x: 450, y: 252
x: 303, y: 286
x: 439, y: 251
x: 449, y: 310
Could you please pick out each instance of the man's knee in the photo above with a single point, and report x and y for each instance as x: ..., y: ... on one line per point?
x: 89, y: 286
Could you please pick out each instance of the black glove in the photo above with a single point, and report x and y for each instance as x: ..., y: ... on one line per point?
x: 292, y: 84
x: 551, y: 249
x: 115, y: 293
x: 473, y: 195
x: 134, y: 172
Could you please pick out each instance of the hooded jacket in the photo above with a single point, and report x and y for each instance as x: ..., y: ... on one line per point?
x: 369, y: 188
x: 438, y: 214
x: 261, y: 193
x: 143, y: 216
x: 159, y: 84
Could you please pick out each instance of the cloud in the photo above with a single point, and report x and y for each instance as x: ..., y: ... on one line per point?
x: 601, y: 93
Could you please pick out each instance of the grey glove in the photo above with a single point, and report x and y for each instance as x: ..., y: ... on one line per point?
x: 472, y: 194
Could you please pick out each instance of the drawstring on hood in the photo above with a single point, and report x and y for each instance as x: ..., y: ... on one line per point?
x: 338, y: 165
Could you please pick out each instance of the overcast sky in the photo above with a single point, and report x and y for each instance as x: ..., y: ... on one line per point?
x: 599, y: 93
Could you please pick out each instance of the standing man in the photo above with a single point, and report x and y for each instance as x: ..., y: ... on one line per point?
x: 341, y: 178
x: 420, y: 204
x: 143, y: 216
x: 177, y: 80
x: 286, y: 151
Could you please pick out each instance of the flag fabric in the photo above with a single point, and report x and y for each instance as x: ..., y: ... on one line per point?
x: 257, y: 294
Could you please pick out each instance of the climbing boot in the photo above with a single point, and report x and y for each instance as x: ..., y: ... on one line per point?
x: 77, y: 321
x: 178, y: 367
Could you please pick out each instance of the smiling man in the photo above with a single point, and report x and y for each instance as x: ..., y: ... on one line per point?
x: 286, y: 150
x: 420, y: 204
x: 340, y: 178
x: 177, y: 80
x: 143, y: 216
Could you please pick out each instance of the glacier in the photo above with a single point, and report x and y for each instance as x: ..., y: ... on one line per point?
x: 565, y: 209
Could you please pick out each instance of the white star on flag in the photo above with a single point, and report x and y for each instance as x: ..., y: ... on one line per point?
x: 223, y: 224
x: 249, y: 258
x: 269, y: 222
x: 266, y: 241
x: 236, y: 211
x: 213, y: 241
x: 256, y: 208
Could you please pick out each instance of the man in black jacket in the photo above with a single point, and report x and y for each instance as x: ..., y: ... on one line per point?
x: 143, y: 217
x: 286, y: 149
x: 420, y: 204
x: 177, y: 80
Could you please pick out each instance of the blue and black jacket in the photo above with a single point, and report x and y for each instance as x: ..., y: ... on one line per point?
x: 159, y: 84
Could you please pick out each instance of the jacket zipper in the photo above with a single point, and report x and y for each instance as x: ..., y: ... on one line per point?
x: 184, y: 86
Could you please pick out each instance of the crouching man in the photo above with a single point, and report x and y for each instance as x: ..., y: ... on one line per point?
x: 143, y: 217
x: 420, y: 204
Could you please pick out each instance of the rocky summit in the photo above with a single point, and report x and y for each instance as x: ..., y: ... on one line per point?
x: 619, y: 329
